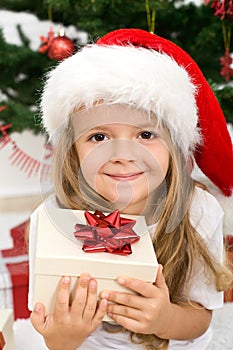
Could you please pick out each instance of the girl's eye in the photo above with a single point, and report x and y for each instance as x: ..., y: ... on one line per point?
x: 98, y: 138
x: 147, y: 135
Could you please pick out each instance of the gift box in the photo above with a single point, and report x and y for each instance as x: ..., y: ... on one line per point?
x: 59, y: 253
x: 14, y: 274
x: 6, y: 330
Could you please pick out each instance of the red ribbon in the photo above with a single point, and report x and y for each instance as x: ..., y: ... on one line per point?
x: 106, y: 233
x: 46, y: 41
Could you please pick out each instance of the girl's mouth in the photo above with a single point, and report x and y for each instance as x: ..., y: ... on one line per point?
x: 125, y: 177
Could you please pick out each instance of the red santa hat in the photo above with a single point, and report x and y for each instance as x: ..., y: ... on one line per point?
x: 138, y: 68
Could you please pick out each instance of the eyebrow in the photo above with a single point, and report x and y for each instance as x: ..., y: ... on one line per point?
x: 139, y: 126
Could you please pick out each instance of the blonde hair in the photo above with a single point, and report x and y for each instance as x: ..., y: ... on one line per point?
x: 175, y: 240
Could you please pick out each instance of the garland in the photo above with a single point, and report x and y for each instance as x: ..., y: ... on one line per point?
x: 224, y: 10
x: 20, y: 158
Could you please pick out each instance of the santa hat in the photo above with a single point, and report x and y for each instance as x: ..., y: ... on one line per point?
x: 138, y: 68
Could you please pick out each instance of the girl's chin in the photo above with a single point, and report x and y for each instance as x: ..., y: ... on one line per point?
x: 130, y: 207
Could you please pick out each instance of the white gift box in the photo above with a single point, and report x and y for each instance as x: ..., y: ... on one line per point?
x: 58, y: 253
x: 6, y: 330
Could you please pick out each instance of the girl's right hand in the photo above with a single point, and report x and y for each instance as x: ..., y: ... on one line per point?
x: 69, y: 325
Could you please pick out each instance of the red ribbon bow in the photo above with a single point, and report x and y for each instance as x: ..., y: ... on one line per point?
x: 106, y: 233
x: 46, y: 41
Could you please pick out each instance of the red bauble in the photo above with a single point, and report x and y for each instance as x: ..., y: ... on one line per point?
x: 61, y: 47
x: 57, y: 48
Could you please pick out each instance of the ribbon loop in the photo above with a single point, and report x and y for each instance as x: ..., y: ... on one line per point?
x: 106, y: 233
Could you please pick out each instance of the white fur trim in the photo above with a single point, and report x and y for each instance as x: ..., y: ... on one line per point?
x: 139, y: 77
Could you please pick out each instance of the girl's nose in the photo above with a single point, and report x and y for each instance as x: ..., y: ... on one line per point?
x: 123, y: 151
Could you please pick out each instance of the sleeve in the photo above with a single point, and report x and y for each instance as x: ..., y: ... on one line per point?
x: 210, y: 226
x: 32, y: 247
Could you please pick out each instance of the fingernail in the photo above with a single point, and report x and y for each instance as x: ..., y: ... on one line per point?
x: 92, y: 284
x: 104, y: 303
x: 86, y: 278
x: 104, y: 295
x: 37, y: 307
x: 120, y: 280
x: 66, y: 279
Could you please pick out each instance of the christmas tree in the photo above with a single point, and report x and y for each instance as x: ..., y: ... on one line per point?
x: 197, y: 29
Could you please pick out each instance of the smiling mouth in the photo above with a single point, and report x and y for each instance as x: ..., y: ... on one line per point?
x: 125, y: 177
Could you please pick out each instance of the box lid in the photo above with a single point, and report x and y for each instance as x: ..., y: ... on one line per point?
x: 59, y: 253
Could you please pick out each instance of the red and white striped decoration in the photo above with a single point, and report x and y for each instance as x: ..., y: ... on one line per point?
x: 23, y: 160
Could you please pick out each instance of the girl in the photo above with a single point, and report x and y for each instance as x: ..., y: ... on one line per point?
x: 127, y: 116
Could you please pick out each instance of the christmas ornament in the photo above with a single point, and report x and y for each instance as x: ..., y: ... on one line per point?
x: 226, y: 70
x: 57, y: 48
x: 20, y: 158
x: 224, y: 10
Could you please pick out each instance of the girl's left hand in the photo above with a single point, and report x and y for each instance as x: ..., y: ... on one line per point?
x: 146, y: 312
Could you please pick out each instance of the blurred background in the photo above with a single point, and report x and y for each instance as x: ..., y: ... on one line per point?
x: 35, y: 36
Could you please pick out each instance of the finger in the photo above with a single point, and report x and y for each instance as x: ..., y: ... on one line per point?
x: 122, y: 298
x: 143, y: 288
x: 127, y: 323
x: 160, y: 280
x: 80, y: 295
x: 125, y: 311
x: 91, y: 302
x: 100, y: 312
x: 38, y: 317
x: 62, y: 298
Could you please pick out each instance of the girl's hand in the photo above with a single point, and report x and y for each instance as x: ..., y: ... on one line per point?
x: 146, y: 312
x: 69, y: 325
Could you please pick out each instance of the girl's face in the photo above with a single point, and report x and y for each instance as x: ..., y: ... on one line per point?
x: 122, y: 155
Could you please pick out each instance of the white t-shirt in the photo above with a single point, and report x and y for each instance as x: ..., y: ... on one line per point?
x: 206, y: 216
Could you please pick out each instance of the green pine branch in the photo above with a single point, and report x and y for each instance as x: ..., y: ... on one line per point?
x: 21, y: 70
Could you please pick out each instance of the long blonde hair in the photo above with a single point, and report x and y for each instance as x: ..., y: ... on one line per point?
x: 175, y: 240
